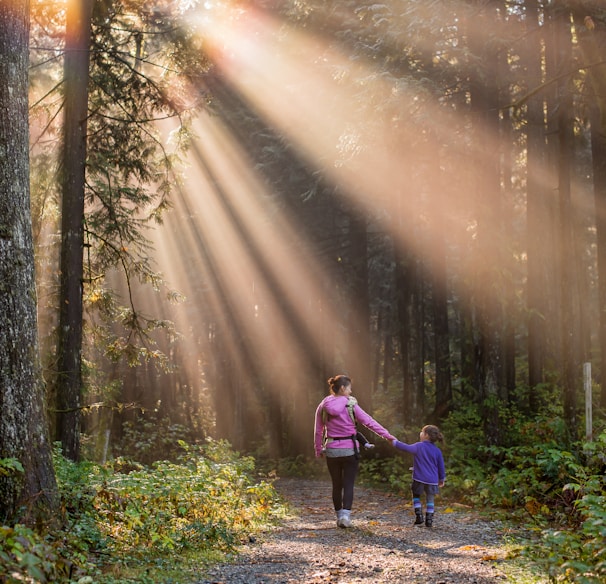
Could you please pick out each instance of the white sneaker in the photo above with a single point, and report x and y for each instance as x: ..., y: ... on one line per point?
x: 344, y: 521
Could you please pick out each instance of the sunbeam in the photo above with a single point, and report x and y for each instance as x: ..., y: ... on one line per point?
x: 388, y: 144
x: 237, y: 256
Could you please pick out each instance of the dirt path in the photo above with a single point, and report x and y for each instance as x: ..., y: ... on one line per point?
x: 382, y: 546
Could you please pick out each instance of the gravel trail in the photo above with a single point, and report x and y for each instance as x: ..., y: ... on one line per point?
x: 382, y: 546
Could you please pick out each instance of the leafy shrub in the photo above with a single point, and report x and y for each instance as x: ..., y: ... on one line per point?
x: 392, y: 472
x: 151, y: 439
x: 26, y: 556
x: 10, y: 466
x: 200, y: 501
x: 299, y: 466
x: 527, y: 465
x: 534, y: 472
x: 578, y: 553
x: 124, y: 521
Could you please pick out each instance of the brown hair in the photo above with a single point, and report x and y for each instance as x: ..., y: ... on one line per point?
x: 433, y: 433
x: 337, y: 382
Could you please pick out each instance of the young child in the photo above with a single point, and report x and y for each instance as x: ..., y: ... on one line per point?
x: 428, y: 473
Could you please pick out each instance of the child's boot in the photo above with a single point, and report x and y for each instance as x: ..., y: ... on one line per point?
x: 429, y: 520
x: 418, y: 517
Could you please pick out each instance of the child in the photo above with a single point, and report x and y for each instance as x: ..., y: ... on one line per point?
x: 428, y: 473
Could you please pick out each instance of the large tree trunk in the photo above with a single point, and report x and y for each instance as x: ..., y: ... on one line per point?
x: 487, y: 288
x: 569, y: 329
x: 69, y: 358
x: 23, y: 426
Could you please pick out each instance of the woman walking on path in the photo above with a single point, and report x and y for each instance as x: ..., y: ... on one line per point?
x: 428, y: 472
x: 335, y: 438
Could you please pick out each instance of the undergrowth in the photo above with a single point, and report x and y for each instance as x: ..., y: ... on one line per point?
x: 161, y: 522
x: 125, y: 522
x: 551, y: 488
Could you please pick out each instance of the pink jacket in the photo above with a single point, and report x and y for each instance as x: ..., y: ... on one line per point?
x: 340, y: 425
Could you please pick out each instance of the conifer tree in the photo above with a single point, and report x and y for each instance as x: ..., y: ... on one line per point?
x: 27, y: 480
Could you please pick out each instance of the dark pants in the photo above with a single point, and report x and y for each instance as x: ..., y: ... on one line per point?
x: 343, y: 471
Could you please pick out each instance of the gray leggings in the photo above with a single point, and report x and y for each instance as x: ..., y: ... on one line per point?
x: 430, y: 493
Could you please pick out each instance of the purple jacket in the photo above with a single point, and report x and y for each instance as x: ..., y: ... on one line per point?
x: 428, y: 462
x: 339, y: 424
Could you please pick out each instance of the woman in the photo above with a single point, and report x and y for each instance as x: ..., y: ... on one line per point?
x: 335, y: 438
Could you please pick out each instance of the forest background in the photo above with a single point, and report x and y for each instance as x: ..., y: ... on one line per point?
x: 233, y: 201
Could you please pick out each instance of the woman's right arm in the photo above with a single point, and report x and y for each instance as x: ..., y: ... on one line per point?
x: 370, y: 423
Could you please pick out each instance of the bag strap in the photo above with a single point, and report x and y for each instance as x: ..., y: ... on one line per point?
x: 351, y: 403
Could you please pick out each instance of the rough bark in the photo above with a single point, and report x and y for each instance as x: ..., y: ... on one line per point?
x: 31, y: 495
x: 69, y: 358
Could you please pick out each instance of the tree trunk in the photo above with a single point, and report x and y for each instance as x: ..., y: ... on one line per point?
x: 537, y: 213
x: 439, y: 296
x: 69, y: 358
x: 566, y: 247
x: 31, y: 495
x: 410, y: 338
x: 487, y: 289
x: 359, y: 364
x: 593, y: 42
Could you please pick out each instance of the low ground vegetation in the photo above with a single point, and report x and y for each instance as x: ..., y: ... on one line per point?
x: 126, y: 521
x: 553, y: 490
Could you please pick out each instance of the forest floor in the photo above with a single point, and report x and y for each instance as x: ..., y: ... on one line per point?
x: 383, y: 546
